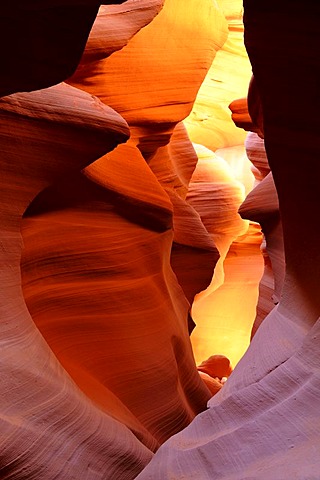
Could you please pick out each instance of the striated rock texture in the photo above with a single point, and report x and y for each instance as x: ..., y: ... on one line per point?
x: 265, y: 423
x: 96, y: 263
x: 49, y: 429
x: 96, y: 268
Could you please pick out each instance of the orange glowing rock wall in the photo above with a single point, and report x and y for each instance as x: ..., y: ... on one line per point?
x: 49, y: 429
x: 223, y: 319
x: 264, y: 423
x: 105, y: 204
x: 100, y: 360
x: 128, y: 313
x: 262, y: 206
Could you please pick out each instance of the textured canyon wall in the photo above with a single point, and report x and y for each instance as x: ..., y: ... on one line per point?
x: 99, y: 176
x: 49, y: 429
x: 222, y: 179
x: 265, y: 423
x: 97, y: 370
x: 129, y: 314
x: 262, y: 206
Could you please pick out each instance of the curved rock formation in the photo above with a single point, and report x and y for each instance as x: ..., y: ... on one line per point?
x: 222, y: 325
x: 267, y: 413
x: 104, y: 270
x: 210, y: 124
x: 114, y: 26
x: 194, y: 253
x: 49, y: 429
x: 262, y: 206
x: 143, y: 73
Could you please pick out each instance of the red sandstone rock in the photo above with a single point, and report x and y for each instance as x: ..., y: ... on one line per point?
x: 262, y: 206
x: 210, y: 122
x: 193, y: 254
x: 267, y: 414
x: 49, y: 429
x: 216, y: 366
x: 114, y: 26
x: 117, y: 291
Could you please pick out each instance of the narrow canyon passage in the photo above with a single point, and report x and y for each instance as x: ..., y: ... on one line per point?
x: 159, y: 283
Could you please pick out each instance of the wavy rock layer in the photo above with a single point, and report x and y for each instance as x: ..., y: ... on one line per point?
x: 262, y: 206
x: 99, y: 284
x: 193, y: 254
x: 264, y: 423
x: 49, y: 429
x: 138, y: 81
x: 127, y: 317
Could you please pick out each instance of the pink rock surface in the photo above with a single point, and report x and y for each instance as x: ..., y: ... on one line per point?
x: 49, y: 429
x: 102, y: 371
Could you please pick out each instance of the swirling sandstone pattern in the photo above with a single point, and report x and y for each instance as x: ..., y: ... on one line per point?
x: 267, y: 414
x: 96, y: 265
x: 210, y: 125
x: 49, y: 429
x: 102, y: 371
x: 261, y: 205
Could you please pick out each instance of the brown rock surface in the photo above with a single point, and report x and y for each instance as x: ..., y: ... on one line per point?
x: 100, y: 285
x: 165, y: 57
x: 103, y: 371
x: 143, y: 73
x: 49, y: 429
x: 262, y: 206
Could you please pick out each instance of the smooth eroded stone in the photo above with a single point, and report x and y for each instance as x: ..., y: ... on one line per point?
x: 49, y: 428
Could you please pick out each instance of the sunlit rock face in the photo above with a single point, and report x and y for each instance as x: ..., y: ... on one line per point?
x: 220, y: 328
x: 102, y: 371
x: 96, y: 264
x: 96, y: 268
x: 223, y: 325
x: 210, y: 122
x: 49, y: 428
x: 194, y: 253
x: 264, y: 423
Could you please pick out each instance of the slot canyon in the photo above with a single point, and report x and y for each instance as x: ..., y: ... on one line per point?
x: 160, y: 260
